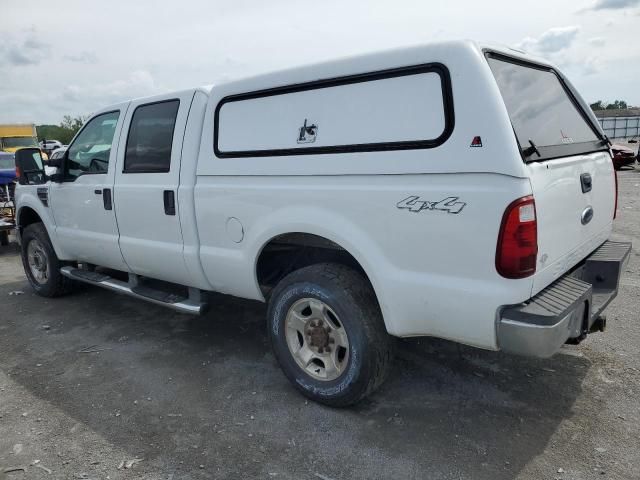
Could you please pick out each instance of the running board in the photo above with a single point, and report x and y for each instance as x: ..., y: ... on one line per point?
x: 192, y: 304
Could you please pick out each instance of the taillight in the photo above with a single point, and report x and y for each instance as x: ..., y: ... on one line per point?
x: 615, y: 204
x: 517, y: 252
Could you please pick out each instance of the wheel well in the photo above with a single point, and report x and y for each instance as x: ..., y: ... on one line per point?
x: 27, y: 216
x: 291, y: 251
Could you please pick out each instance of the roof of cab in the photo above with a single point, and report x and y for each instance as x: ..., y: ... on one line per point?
x: 206, y: 89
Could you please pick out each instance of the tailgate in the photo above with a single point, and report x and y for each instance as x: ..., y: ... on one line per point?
x: 567, y: 161
x: 571, y: 222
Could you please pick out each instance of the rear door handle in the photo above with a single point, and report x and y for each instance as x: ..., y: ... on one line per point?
x: 169, y: 202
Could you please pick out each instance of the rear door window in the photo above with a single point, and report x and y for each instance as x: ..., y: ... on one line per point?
x: 151, y: 137
x: 547, y: 121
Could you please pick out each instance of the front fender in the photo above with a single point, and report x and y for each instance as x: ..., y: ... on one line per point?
x: 27, y: 198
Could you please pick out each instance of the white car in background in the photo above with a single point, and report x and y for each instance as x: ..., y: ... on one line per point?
x: 50, y: 145
x: 58, y: 152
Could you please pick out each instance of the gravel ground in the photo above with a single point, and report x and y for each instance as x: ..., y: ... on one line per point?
x: 93, y: 380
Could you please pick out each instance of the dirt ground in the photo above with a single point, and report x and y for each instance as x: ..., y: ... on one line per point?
x: 93, y: 380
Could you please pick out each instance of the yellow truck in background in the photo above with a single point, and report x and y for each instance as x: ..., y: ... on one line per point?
x: 15, y: 136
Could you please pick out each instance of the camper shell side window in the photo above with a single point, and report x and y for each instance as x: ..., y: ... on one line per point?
x: 396, y: 109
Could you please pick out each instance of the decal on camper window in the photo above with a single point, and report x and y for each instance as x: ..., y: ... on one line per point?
x: 307, y: 134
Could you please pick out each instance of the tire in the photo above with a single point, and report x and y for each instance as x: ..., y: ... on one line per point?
x: 43, y: 270
x: 4, y: 238
x: 349, y: 306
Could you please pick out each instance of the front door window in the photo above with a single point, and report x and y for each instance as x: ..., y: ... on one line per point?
x: 90, y: 151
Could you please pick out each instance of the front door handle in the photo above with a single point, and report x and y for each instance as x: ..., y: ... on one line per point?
x: 586, y: 182
x: 169, y: 202
x: 106, y: 198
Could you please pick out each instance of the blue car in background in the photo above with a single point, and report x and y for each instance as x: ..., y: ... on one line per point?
x: 7, y: 189
x: 7, y: 168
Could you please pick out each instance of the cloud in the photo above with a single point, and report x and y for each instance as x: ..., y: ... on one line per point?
x: 139, y: 83
x: 552, y: 41
x: 613, y: 4
x: 25, y: 50
x: 82, y: 57
x: 558, y: 45
x: 591, y: 66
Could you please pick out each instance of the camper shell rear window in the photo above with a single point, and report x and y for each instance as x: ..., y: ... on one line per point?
x: 547, y: 119
x: 397, y: 109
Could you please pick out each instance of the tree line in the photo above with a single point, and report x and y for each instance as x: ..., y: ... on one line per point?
x: 63, y: 132
x: 616, y: 105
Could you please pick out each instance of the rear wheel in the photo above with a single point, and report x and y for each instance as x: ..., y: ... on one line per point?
x: 41, y: 263
x: 328, y: 334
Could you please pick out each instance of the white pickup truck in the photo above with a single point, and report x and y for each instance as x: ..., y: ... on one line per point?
x: 449, y: 190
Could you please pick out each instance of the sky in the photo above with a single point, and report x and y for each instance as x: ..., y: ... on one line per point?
x: 71, y: 57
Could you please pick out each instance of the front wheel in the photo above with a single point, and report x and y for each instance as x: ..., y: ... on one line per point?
x: 41, y: 264
x: 328, y: 334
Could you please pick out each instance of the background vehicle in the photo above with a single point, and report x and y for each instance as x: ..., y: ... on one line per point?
x: 622, y: 156
x: 7, y: 191
x: 7, y: 166
x: 359, y: 198
x: 50, y: 145
x: 15, y: 136
x: 58, y: 152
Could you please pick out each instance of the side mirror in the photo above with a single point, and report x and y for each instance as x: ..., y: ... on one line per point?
x: 30, y: 167
x: 54, y: 162
x: 53, y: 167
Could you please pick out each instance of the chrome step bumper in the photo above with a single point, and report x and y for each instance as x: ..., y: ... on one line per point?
x: 567, y: 309
x: 173, y: 301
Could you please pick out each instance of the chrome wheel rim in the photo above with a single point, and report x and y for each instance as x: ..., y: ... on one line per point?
x: 37, y: 260
x: 317, y: 339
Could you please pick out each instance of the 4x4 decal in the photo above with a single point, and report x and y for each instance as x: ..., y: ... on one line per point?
x: 415, y: 204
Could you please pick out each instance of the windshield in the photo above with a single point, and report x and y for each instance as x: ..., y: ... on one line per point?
x: 7, y: 162
x: 13, y: 142
x: 545, y: 119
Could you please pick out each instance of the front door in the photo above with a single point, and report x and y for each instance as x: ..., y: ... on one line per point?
x: 146, y: 188
x: 82, y: 204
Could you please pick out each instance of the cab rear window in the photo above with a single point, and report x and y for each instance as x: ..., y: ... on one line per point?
x: 546, y: 119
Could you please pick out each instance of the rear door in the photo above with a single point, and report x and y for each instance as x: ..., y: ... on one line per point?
x: 568, y: 162
x: 146, y: 187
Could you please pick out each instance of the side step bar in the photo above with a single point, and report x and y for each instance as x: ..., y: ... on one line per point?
x: 192, y: 304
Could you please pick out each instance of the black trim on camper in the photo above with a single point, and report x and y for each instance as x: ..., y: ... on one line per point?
x: 447, y: 99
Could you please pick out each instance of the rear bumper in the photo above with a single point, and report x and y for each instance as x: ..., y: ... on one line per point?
x: 567, y: 309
